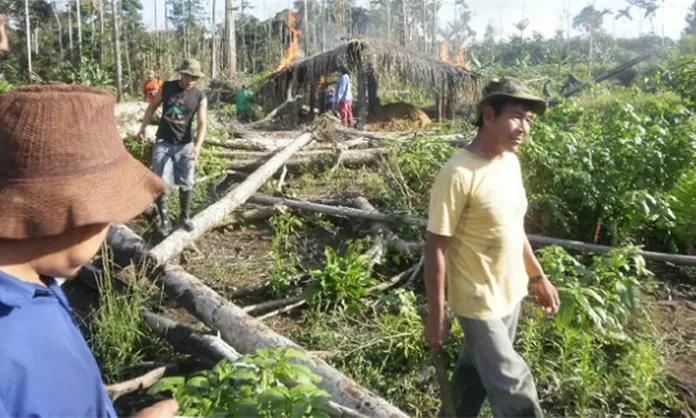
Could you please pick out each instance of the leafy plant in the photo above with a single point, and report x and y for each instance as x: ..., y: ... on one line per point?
x: 283, y: 273
x: 88, y: 72
x: 341, y: 282
x: 267, y: 384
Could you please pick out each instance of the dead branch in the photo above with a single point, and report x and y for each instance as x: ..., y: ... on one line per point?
x: 243, y: 332
x: 283, y: 309
x: 263, y: 306
x: 416, y: 271
x: 145, y: 381
x: 273, y: 113
x: 217, y: 176
x: 399, y: 244
x: 215, y: 213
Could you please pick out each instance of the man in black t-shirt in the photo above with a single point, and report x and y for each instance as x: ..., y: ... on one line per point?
x: 175, y: 152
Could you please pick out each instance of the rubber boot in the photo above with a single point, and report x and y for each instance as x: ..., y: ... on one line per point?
x: 185, y: 201
x: 164, y: 227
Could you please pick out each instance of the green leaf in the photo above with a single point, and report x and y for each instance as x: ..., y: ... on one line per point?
x: 167, y: 384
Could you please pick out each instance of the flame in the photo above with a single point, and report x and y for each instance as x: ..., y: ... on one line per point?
x: 460, y: 60
x: 444, y: 51
x: 293, y: 49
x: 323, y: 82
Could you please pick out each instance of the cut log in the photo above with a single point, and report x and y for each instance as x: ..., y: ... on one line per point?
x: 335, y: 210
x: 611, y: 73
x: 215, y: 213
x: 537, y: 240
x: 239, y: 144
x: 314, y: 158
x: 145, y: 381
x: 209, y: 348
x: 242, y: 331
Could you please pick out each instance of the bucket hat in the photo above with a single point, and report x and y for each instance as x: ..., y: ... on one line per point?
x: 63, y: 164
x: 510, y: 87
x: 192, y: 67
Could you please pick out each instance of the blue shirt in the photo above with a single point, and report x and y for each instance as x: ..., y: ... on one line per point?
x: 343, y: 91
x: 46, y: 367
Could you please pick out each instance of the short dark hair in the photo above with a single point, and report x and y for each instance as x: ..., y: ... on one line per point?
x: 499, y: 103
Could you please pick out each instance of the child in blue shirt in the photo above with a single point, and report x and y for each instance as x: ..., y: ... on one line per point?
x: 65, y: 175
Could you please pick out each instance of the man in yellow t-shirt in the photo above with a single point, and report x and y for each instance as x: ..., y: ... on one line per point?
x: 477, y: 245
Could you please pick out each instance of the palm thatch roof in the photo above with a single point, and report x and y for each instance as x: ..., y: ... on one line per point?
x: 386, y: 62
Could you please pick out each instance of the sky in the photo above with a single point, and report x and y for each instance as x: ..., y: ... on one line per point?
x: 545, y: 16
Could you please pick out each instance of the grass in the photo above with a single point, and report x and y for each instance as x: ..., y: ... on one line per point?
x: 119, y: 336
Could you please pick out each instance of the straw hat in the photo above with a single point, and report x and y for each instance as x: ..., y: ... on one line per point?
x: 63, y: 164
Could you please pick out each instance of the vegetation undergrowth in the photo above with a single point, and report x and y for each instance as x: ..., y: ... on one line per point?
x: 267, y: 384
x: 119, y: 336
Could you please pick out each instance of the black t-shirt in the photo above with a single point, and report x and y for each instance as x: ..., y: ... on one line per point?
x: 179, y: 108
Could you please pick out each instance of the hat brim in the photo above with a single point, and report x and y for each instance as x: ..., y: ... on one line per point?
x: 190, y: 72
x: 538, y: 104
x: 36, y: 207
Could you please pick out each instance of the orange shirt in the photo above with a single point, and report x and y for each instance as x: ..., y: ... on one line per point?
x: 151, y: 87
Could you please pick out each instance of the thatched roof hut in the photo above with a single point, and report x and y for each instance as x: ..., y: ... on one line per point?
x: 371, y: 61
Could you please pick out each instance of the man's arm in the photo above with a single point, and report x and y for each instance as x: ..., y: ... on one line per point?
x: 4, y: 42
x: 149, y: 112
x: 544, y: 290
x: 202, y: 126
x: 435, y: 247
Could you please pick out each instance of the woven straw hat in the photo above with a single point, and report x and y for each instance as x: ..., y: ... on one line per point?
x: 63, y: 164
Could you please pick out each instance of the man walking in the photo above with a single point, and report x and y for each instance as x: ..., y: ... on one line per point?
x: 476, y: 239
x: 175, y: 152
x: 344, y: 97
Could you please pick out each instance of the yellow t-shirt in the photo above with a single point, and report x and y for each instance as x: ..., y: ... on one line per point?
x: 481, y: 204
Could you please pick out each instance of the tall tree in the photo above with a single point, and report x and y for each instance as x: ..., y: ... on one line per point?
x: 27, y: 35
x: 117, y: 49
x: 691, y: 20
x: 231, y: 41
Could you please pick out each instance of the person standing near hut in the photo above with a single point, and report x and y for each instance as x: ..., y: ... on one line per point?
x: 151, y: 86
x: 476, y: 240
x: 243, y: 103
x: 344, y: 96
x: 175, y: 150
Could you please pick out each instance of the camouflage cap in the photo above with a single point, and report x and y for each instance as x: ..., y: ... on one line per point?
x: 191, y: 67
x: 510, y: 87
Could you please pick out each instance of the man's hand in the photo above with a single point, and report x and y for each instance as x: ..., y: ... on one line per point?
x: 141, y: 134
x: 196, y: 152
x: 547, y: 295
x: 162, y: 409
x: 436, y: 330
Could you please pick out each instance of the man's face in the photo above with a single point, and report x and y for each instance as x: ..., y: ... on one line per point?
x: 188, y: 81
x: 509, y: 129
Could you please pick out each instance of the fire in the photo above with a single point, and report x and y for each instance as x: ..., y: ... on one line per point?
x: 323, y: 82
x: 460, y: 60
x: 444, y: 51
x: 294, y: 48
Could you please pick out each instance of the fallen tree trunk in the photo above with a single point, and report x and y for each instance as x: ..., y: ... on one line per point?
x: 335, y: 210
x: 240, y: 144
x: 533, y: 239
x: 215, y: 213
x: 186, y: 340
x: 348, y: 157
x: 608, y: 74
x: 242, y: 331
